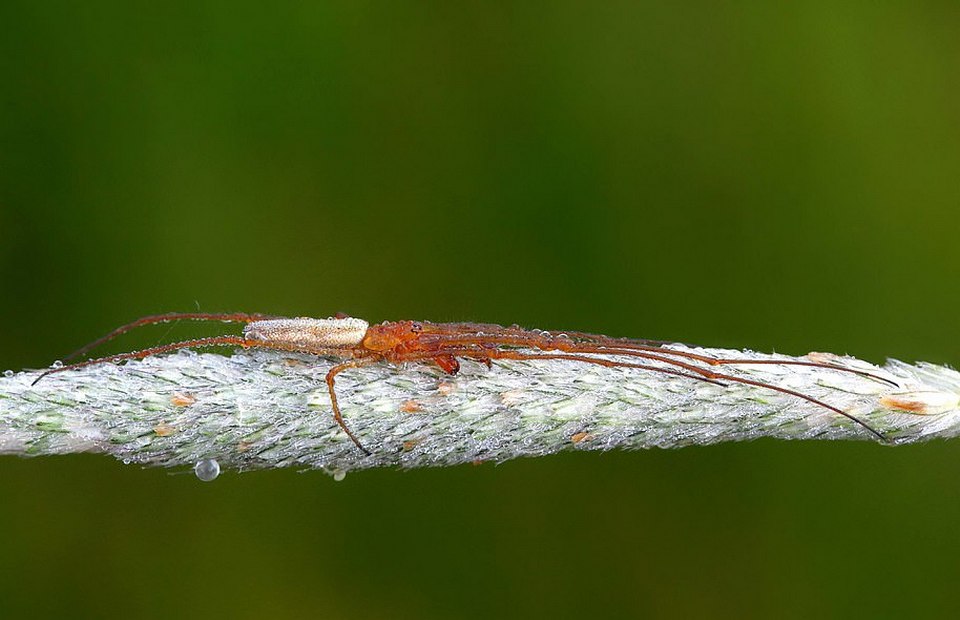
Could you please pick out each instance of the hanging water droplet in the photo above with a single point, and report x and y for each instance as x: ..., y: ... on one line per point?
x: 57, y: 364
x: 339, y: 475
x: 207, y: 470
x: 8, y: 373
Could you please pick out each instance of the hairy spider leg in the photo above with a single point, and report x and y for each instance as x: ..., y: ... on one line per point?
x: 625, y: 343
x: 214, y: 341
x: 554, y: 340
x: 484, y: 356
x: 230, y: 317
x: 487, y: 331
x: 605, y: 344
x: 713, y: 361
x: 708, y: 374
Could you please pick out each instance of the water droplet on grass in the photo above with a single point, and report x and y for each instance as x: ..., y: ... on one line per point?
x: 207, y: 470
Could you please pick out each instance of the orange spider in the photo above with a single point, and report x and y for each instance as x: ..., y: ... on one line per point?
x: 358, y: 344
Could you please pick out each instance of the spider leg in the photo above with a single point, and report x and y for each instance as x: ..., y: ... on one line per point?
x: 485, y: 355
x: 713, y: 361
x: 656, y: 346
x: 486, y: 349
x: 215, y: 341
x: 167, y: 318
x: 331, y: 377
x: 612, y: 346
x: 135, y: 355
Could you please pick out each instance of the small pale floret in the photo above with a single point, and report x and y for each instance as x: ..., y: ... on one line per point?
x: 511, y: 398
x: 581, y: 436
x: 824, y: 358
x: 180, y: 399
x: 922, y: 403
x: 164, y: 430
x: 410, y: 406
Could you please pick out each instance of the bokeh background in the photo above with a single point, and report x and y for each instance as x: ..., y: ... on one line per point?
x: 733, y: 174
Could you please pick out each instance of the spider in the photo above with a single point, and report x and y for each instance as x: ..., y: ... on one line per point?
x: 357, y: 343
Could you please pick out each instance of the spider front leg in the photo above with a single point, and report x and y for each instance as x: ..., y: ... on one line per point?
x: 226, y: 317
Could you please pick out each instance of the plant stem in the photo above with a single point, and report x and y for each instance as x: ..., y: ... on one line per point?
x: 257, y: 410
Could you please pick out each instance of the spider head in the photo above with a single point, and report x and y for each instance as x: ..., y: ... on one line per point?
x: 388, y: 336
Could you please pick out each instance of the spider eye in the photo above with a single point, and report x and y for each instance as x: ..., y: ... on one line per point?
x: 416, y: 328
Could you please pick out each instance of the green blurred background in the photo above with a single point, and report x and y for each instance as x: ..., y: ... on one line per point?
x: 732, y: 174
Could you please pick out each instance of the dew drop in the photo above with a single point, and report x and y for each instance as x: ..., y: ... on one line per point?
x: 339, y: 475
x: 8, y: 373
x: 207, y: 470
x: 57, y: 364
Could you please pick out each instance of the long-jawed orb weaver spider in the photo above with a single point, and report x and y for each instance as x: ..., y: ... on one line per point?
x: 358, y: 343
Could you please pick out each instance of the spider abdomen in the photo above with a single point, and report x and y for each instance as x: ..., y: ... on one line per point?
x: 343, y: 333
